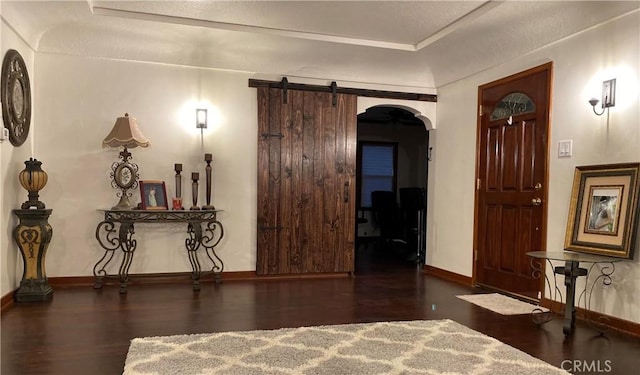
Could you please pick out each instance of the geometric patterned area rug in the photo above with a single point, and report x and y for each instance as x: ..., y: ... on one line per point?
x: 502, y: 304
x: 410, y: 347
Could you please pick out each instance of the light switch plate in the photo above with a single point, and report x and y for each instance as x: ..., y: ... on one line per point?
x: 565, y: 148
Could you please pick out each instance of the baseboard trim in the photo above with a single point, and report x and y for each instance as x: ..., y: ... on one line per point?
x: 7, y: 301
x: 622, y: 325
x: 143, y: 278
x: 447, y: 275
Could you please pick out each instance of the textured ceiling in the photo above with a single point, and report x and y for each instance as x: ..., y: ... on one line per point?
x: 416, y: 44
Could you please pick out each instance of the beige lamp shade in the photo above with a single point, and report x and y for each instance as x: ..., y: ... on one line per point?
x: 125, y: 133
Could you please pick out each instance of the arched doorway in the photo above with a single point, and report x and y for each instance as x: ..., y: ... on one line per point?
x: 391, y: 185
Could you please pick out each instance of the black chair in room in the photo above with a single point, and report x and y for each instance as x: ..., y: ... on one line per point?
x: 387, y: 217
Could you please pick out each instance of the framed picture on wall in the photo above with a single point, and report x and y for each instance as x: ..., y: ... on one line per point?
x: 603, y: 213
x: 153, y: 194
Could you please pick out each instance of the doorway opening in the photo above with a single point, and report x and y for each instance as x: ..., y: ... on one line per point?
x: 391, y: 187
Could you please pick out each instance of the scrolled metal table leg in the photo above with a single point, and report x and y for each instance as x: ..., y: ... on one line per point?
x: 601, y: 323
x: 192, y: 243
x: 538, y: 315
x: 212, y: 235
x: 128, y: 245
x: 107, y: 239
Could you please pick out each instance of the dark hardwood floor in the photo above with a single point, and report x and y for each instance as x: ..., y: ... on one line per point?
x: 84, y: 331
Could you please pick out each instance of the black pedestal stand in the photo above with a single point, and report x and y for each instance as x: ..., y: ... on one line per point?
x: 33, y: 235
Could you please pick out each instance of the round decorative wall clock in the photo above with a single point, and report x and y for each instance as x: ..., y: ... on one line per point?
x: 16, y: 97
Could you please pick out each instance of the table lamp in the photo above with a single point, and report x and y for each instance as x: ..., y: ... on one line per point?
x: 124, y: 173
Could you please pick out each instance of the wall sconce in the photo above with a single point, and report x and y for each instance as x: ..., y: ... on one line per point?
x: 201, y: 123
x: 608, y: 96
x: 201, y: 118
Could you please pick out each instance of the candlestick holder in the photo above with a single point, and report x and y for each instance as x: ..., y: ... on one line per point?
x: 208, y: 158
x: 194, y: 190
x: 177, y: 205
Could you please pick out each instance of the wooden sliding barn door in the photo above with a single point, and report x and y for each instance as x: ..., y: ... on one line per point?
x: 306, y: 181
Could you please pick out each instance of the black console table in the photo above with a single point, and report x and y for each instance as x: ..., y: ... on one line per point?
x: 571, y: 271
x: 116, y: 232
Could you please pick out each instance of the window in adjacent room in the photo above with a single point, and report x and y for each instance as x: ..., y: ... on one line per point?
x: 377, y: 167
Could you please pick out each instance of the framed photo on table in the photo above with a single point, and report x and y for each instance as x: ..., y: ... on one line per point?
x: 153, y: 194
x: 603, y: 212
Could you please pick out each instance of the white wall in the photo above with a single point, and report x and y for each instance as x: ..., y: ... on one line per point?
x: 78, y: 101
x: 11, y: 163
x: 581, y: 63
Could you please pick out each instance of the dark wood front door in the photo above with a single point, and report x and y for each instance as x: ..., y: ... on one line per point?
x: 511, y: 186
x: 306, y: 182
